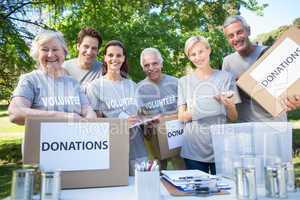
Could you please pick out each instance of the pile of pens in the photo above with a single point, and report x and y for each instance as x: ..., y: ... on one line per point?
x: 150, y: 165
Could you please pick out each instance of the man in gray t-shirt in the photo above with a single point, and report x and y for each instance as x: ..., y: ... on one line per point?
x: 85, y: 68
x: 237, y: 32
x: 157, y: 97
x: 156, y: 94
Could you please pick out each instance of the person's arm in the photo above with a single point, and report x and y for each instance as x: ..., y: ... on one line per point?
x: 88, y: 112
x: 183, y: 114
x: 20, y: 108
x: 170, y: 116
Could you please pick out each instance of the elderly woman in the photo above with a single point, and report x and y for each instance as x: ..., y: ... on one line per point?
x: 48, y: 91
x: 204, y: 99
x: 113, y: 95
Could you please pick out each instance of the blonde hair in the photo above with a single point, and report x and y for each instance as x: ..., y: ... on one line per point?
x: 192, y: 41
x: 44, y: 37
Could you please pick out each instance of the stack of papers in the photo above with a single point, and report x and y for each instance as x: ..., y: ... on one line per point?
x: 185, y: 180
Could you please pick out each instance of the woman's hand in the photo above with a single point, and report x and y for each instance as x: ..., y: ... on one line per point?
x: 183, y: 114
x: 228, y: 101
x: 71, y: 115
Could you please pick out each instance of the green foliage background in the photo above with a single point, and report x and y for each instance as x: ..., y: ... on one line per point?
x: 164, y: 24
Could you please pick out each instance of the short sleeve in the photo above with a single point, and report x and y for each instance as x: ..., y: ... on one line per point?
x: 83, y: 98
x: 92, y: 96
x: 233, y: 87
x: 139, y: 95
x: 181, y: 92
x: 25, y: 88
x: 225, y: 65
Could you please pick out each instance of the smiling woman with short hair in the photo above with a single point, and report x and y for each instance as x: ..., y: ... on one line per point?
x: 204, y: 99
x: 48, y: 91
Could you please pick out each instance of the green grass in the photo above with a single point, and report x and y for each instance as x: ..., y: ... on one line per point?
x: 5, y: 178
x: 10, y: 159
x: 5, y: 125
x: 294, y: 115
x: 10, y: 150
x: 296, y: 162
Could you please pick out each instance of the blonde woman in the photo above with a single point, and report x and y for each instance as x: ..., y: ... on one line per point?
x: 204, y: 98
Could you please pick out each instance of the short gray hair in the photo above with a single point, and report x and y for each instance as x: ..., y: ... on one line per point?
x: 44, y: 37
x: 151, y: 50
x: 192, y: 41
x: 236, y: 18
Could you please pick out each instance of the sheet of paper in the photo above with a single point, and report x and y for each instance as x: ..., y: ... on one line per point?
x: 68, y: 146
x: 145, y: 120
x: 175, y: 133
x: 280, y: 69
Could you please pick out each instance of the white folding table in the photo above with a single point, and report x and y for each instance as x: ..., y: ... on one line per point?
x: 128, y: 193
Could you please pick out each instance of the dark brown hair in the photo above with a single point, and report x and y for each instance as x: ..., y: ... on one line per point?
x: 124, y: 67
x: 89, y: 32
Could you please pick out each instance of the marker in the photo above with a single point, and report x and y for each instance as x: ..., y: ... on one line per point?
x: 149, y: 165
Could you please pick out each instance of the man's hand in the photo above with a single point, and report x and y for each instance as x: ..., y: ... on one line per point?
x: 133, y: 120
x: 291, y: 102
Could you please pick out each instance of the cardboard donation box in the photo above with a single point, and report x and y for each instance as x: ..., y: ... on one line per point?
x: 276, y: 74
x: 88, y: 152
x: 168, y: 137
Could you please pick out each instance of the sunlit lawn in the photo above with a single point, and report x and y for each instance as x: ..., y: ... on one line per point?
x: 10, y: 156
x: 5, y: 125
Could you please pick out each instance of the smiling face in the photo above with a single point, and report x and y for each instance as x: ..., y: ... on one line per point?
x: 51, y: 55
x: 199, y: 55
x: 88, y: 50
x: 114, y: 58
x: 152, y: 66
x: 238, y: 37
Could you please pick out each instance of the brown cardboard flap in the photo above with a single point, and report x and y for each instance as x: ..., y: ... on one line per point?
x: 119, y: 154
x: 259, y: 93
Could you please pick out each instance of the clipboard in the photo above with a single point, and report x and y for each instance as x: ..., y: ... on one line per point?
x: 177, y: 192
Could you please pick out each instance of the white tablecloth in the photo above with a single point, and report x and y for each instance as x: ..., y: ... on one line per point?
x: 128, y: 193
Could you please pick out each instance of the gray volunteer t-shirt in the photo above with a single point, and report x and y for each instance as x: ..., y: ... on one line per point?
x: 83, y: 76
x: 112, y: 98
x: 156, y: 98
x: 198, y: 96
x: 249, y: 110
x: 52, y: 94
